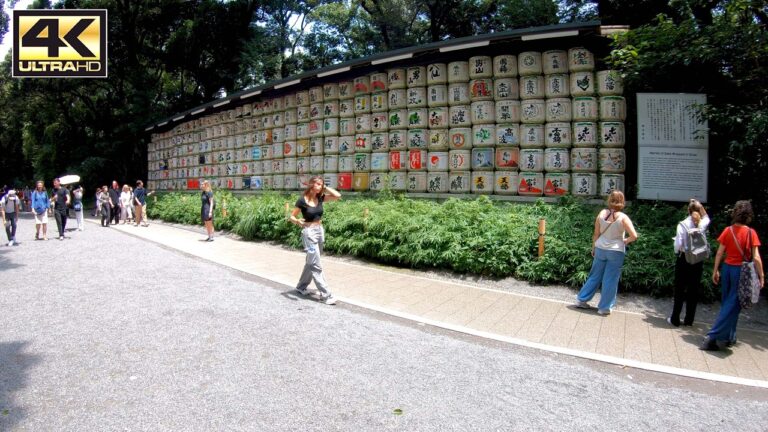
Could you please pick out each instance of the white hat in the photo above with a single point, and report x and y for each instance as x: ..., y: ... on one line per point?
x: 12, y: 192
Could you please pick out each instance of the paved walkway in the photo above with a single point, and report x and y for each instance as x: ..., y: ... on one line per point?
x: 624, y: 338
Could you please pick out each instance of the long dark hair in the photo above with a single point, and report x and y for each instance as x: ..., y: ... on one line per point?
x: 311, y: 183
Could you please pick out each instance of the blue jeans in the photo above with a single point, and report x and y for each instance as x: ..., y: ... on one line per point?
x: 606, y: 271
x: 724, y: 328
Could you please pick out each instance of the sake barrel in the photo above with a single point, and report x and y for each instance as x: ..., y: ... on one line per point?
x: 459, y: 181
x: 290, y: 117
x: 346, y: 162
x: 362, y: 104
x: 398, y: 119
x: 460, y: 138
x: 481, y: 89
x: 266, y: 136
x: 612, y: 160
x: 532, y: 87
x: 438, y: 139
x: 331, y: 180
x: 330, y: 91
x: 398, y: 98
x: 582, y: 83
x: 289, y: 131
x: 418, y: 118
x: 396, y: 78
x: 480, y: 67
x: 507, y: 111
x: 362, y: 123
x: 379, y: 142
x: 379, y: 102
x: 437, y: 182
x: 508, y: 134
x: 556, y: 160
x: 558, y: 110
x: 277, y: 151
x: 289, y: 165
x: 438, y: 118
x: 458, y: 72
x: 398, y: 160
x: 379, y: 162
x: 290, y: 182
x: 557, y: 184
x: 505, y: 66
x: 611, y: 182
x: 331, y: 145
x: 417, y: 97
x: 289, y: 149
x: 346, y: 90
x: 418, y: 138
x: 289, y: 102
x: 302, y: 165
x: 378, y: 82
x: 459, y: 160
x: 482, y: 158
x: 257, y: 182
x: 583, y: 184
x: 437, y: 96
x: 584, y: 159
x: 459, y: 116
x: 362, y: 162
x: 360, y: 181
x: 277, y: 167
x: 315, y: 94
x: 377, y: 181
x: 505, y: 182
x: 437, y: 161
x: 554, y: 62
x: 315, y: 111
x: 609, y: 83
x: 417, y: 160
x: 532, y: 111
x: 316, y: 164
x: 347, y: 144
x: 585, y: 134
x: 458, y: 94
x: 315, y: 128
x: 302, y: 114
x: 416, y: 181
x: 268, y: 152
x: 557, y: 135
x: 584, y: 109
x: 397, y: 181
x: 482, y: 112
x: 529, y: 63
x: 613, y: 108
x: 482, y: 182
x: 330, y: 108
x: 530, y: 183
x: 362, y: 85
x: 330, y: 163
x: 483, y: 135
x: 416, y: 76
x: 437, y: 73
x: 612, y: 134
x: 302, y: 98
x: 505, y: 89
x: 278, y: 119
x: 345, y: 181
x: 331, y: 126
x: 531, y: 160
x: 580, y: 59
x: 347, y: 108
x: 302, y: 131
x: 363, y: 143
x: 398, y: 139
x: 278, y: 182
x: 379, y: 122
x: 507, y: 158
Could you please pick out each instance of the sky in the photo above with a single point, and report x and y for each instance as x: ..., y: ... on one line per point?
x: 7, y: 39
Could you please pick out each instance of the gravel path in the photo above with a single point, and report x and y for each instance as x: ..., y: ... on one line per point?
x: 106, y: 332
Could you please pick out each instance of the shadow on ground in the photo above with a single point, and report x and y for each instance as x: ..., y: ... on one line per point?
x: 14, y: 375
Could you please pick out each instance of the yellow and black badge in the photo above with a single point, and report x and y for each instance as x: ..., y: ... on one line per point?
x: 60, y: 43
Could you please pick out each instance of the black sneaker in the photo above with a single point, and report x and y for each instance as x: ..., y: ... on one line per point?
x: 709, y: 344
x: 304, y: 292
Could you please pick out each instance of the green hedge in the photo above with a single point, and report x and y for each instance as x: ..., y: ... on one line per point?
x: 478, y: 236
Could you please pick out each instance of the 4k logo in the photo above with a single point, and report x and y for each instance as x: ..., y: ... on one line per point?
x: 60, y: 43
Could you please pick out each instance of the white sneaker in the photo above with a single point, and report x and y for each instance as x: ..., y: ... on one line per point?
x: 330, y: 300
x: 10, y: 243
x: 582, y: 305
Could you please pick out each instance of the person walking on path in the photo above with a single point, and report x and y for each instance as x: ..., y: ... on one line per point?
x: 77, y: 196
x: 40, y: 205
x: 206, y: 210
x: 105, y: 206
x: 10, y: 208
x: 125, y: 204
x: 60, y: 206
x: 140, y: 200
x: 738, y: 243
x: 613, y: 232
x: 310, y: 205
x: 97, y: 203
x: 114, y: 195
x: 688, y: 276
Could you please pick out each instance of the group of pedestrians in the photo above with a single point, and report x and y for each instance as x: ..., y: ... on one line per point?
x: 127, y: 204
x: 614, y: 230
x: 58, y: 203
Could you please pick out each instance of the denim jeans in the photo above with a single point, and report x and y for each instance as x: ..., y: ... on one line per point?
x: 724, y: 328
x: 10, y: 230
x: 606, y: 271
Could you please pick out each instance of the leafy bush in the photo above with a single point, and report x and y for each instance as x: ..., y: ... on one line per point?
x: 479, y: 236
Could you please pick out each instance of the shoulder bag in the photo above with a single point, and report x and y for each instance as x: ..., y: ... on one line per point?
x: 749, y: 284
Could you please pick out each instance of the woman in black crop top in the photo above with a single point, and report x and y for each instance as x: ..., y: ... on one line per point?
x: 310, y: 204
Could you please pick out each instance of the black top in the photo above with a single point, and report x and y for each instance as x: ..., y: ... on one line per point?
x: 60, y: 195
x: 205, y: 198
x: 140, y: 194
x: 115, y: 195
x: 311, y: 214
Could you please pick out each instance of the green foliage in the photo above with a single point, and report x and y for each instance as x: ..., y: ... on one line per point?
x: 479, y: 236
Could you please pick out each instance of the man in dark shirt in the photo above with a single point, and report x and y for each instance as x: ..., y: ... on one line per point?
x: 140, y: 200
x: 60, y: 205
x: 114, y: 194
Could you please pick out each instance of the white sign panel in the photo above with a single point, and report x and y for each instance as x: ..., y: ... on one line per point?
x: 673, y: 147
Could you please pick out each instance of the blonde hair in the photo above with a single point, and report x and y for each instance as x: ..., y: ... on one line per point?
x: 695, y: 206
x: 616, y: 200
x: 207, y: 186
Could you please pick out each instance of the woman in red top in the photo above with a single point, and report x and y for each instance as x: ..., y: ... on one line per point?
x: 724, y: 328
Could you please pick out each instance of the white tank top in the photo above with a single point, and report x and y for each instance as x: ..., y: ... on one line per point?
x: 612, y: 237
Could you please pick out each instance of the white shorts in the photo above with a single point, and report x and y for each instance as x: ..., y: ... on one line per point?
x: 41, y: 219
